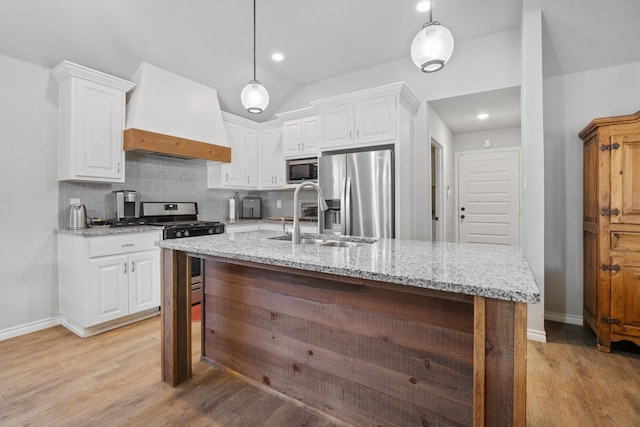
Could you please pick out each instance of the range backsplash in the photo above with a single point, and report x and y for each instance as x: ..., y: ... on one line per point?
x: 164, y: 179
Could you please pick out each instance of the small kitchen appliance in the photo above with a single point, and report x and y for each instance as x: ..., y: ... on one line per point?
x: 251, y: 208
x: 299, y: 170
x: 77, y: 217
x: 180, y: 220
x: 124, y: 204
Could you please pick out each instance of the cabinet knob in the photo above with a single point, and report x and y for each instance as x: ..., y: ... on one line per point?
x: 350, y: 135
x: 462, y: 216
x: 358, y: 134
x: 125, y: 268
x: 133, y: 267
x: 226, y: 177
x: 302, y: 146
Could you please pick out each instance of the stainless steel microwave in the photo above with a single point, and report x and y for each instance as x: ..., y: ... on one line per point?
x: 299, y: 170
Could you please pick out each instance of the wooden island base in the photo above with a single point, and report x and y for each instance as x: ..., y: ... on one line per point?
x: 362, y: 352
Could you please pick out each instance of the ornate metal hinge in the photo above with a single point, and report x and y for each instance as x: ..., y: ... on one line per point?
x: 609, y: 267
x: 609, y: 212
x: 610, y: 147
x: 610, y: 321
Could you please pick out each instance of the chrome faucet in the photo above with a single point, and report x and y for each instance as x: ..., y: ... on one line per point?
x: 322, y: 206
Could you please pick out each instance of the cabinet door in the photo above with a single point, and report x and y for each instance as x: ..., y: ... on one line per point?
x: 625, y: 296
x: 335, y: 126
x: 144, y: 281
x: 109, y: 288
x: 233, y: 173
x: 375, y: 120
x: 271, y: 159
x: 625, y: 179
x: 250, y: 149
x: 98, y: 132
x: 292, y: 136
x: 309, y: 134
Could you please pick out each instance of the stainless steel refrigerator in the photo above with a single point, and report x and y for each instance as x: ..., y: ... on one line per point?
x: 359, y: 190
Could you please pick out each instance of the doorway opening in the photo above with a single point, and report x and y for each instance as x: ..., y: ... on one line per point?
x: 437, y: 193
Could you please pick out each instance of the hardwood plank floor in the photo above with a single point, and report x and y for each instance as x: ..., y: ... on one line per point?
x: 53, y: 378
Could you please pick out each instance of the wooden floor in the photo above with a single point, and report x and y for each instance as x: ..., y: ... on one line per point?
x: 53, y: 378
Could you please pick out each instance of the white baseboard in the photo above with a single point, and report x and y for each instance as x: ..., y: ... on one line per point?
x: 563, y: 318
x: 535, y: 335
x: 27, y: 328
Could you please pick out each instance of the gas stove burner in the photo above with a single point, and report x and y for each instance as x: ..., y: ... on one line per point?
x: 179, y: 219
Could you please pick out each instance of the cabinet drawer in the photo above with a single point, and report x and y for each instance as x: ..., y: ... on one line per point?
x: 121, y: 244
x: 625, y: 241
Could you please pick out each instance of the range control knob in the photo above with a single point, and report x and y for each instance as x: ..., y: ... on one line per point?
x: 211, y: 231
x: 178, y: 233
x: 186, y: 233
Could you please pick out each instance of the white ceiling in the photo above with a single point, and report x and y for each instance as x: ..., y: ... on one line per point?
x: 459, y: 113
x: 210, y: 41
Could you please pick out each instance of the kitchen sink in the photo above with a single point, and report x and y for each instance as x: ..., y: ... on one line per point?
x: 353, y: 242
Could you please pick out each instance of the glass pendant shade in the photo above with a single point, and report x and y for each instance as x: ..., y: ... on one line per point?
x: 254, y: 97
x: 432, y: 47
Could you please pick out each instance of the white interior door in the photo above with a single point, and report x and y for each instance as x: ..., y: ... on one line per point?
x: 488, y: 208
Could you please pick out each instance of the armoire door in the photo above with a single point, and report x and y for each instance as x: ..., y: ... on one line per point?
x: 625, y: 179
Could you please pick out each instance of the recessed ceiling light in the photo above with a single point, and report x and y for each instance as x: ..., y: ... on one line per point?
x: 423, y: 6
x: 277, y: 56
x: 482, y: 116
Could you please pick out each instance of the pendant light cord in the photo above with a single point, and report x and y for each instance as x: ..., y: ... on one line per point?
x: 254, y: 39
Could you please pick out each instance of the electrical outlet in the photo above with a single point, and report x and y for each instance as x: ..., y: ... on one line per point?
x: 278, y: 204
x: 74, y: 201
x: 487, y: 143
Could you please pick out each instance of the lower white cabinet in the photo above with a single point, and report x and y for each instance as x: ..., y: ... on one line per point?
x: 108, y: 281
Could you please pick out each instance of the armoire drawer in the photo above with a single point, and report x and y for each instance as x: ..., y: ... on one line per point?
x: 625, y: 241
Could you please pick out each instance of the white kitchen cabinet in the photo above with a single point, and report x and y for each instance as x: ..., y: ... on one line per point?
x: 91, y: 119
x: 364, y: 122
x: 299, y: 136
x: 108, y: 281
x: 272, y: 170
x: 243, y: 171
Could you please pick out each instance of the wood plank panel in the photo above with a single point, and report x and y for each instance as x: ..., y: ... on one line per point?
x: 176, y: 317
x: 138, y: 139
x: 364, y: 355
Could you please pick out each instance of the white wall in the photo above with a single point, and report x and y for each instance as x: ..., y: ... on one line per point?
x: 570, y: 103
x: 499, y: 138
x: 533, y: 161
x: 439, y: 131
x: 479, y: 65
x: 29, y: 192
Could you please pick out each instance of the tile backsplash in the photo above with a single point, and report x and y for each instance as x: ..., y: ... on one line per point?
x: 166, y: 179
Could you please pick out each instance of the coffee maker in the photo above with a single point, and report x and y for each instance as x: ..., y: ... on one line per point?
x: 123, y: 206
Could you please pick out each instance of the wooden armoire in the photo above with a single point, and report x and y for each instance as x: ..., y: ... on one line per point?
x: 612, y: 229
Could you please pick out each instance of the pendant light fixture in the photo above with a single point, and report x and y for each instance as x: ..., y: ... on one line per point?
x: 254, y: 96
x: 432, y: 46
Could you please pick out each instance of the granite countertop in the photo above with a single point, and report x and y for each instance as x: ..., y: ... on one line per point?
x: 103, y: 230
x: 492, y: 271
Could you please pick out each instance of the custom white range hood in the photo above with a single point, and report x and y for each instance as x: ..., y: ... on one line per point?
x: 171, y: 115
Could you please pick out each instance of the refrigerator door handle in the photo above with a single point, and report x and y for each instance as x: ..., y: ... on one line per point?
x: 347, y: 207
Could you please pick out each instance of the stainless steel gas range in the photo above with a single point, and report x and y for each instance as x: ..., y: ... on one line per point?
x: 181, y: 220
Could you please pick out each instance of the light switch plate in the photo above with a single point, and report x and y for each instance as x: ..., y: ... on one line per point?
x: 74, y: 201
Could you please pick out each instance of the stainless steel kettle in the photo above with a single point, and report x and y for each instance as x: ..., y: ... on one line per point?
x: 77, y: 217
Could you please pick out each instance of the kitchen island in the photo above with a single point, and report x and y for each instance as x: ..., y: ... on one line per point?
x: 394, y: 332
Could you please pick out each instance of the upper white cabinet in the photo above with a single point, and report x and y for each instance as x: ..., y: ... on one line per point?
x: 91, y: 118
x: 299, y: 136
x: 364, y: 122
x: 272, y: 170
x: 243, y: 171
